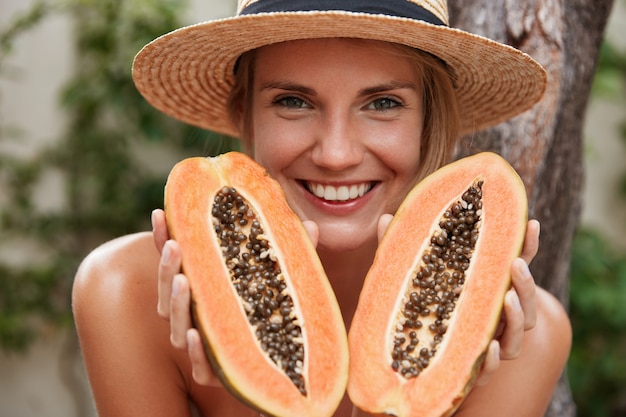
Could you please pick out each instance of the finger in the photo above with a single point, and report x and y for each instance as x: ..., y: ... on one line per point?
x: 491, y: 363
x: 524, y: 284
x: 312, y: 230
x: 201, y: 369
x: 531, y: 241
x: 169, y: 265
x: 159, y: 229
x: 180, y: 317
x: 383, y: 224
x: 511, y: 339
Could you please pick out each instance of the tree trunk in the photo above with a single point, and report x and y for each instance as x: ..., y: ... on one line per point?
x: 545, y: 144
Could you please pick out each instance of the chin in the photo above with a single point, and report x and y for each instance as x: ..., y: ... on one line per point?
x: 340, y: 240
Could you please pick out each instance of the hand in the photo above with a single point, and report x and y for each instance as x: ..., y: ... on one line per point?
x: 520, y: 304
x: 174, y: 302
x: 175, y: 297
x: 519, y: 311
x: 170, y: 263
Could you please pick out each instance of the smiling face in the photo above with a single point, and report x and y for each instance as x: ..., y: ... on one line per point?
x: 338, y: 123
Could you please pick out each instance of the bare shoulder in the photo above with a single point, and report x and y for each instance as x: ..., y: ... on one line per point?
x: 128, y: 253
x: 116, y: 284
x: 132, y: 368
x: 121, y: 266
x: 551, y: 339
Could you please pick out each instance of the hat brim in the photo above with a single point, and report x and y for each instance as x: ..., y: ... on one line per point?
x: 188, y: 73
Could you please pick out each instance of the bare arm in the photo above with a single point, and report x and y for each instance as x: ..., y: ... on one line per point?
x: 132, y: 368
x: 523, y: 387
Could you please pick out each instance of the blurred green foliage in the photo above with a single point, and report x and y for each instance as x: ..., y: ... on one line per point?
x: 597, y: 365
x: 108, y: 189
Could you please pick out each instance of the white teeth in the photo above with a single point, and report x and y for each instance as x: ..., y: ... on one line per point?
x: 318, y: 190
x: 341, y: 193
x: 354, y: 192
x: 330, y: 193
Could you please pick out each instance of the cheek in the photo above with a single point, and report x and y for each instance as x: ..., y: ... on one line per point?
x: 400, y: 150
x: 274, y: 147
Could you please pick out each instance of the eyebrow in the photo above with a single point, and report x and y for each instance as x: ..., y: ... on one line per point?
x: 287, y: 86
x: 380, y: 88
x: 392, y: 85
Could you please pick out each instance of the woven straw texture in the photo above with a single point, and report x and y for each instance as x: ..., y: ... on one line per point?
x: 188, y: 73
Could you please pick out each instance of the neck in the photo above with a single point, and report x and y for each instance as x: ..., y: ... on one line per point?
x: 346, y: 272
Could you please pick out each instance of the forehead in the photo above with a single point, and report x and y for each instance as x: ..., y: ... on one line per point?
x: 311, y: 56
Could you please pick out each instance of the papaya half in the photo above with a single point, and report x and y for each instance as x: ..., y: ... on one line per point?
x: 431, y: 302
x: 269, y: 320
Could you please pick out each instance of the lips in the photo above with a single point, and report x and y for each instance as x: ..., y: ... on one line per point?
x: 340, y: 192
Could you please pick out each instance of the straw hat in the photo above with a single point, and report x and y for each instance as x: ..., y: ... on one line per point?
x: 188, y: 73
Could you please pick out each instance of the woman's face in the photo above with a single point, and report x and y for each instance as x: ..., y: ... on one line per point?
x: 338, y: 123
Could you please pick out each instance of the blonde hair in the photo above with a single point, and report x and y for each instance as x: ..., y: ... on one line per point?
x: 441, y: 115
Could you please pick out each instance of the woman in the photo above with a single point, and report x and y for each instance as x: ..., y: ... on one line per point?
x: 324, y: 100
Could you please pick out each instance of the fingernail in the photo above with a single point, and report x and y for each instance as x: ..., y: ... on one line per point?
x: 496, y: 350
x: 175, y: 285
x: 188, y: 339
x: 523, y: 268
x: 514, y: 300
x: 538, y: 229
x: 152, y: 215
x: 166, y: 255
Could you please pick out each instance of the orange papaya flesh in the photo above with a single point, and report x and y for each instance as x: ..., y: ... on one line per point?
x: 269, y: 319
x: 432, y: 299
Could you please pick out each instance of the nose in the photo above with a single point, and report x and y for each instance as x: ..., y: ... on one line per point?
x: 338, y: 144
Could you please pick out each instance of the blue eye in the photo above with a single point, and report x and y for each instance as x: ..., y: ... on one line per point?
x: 384, y: 103
x: 292, y: 102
